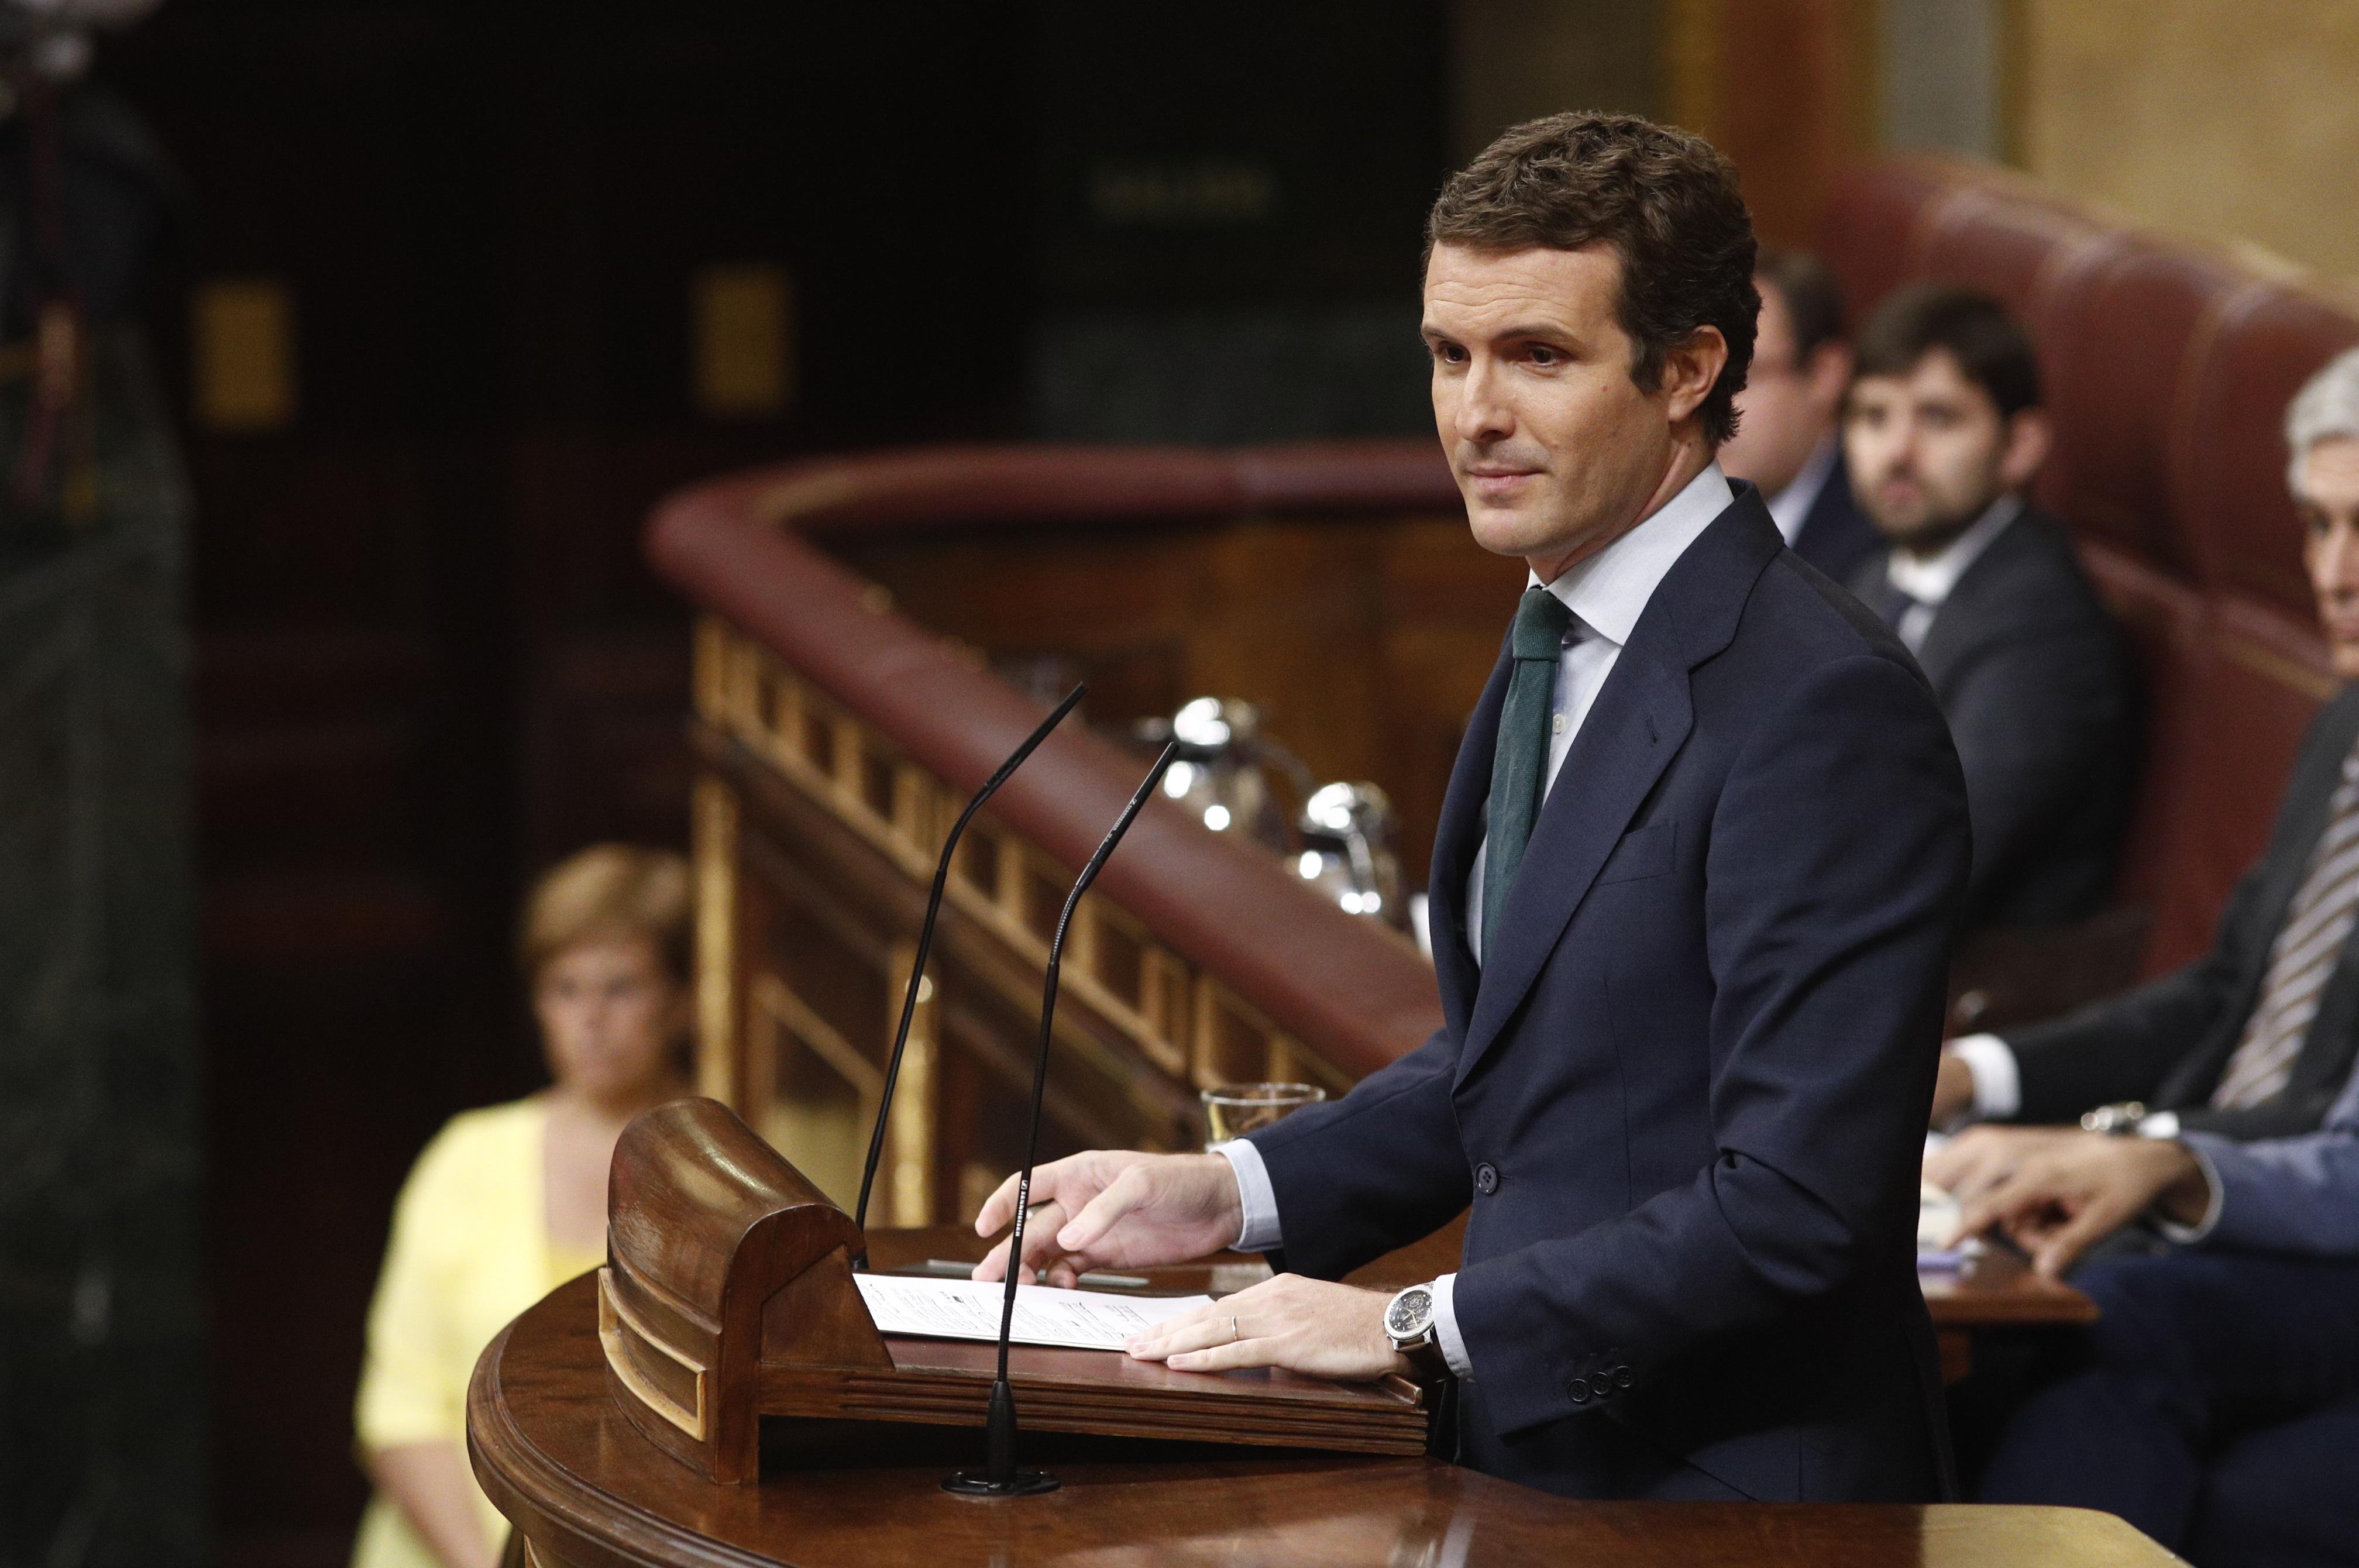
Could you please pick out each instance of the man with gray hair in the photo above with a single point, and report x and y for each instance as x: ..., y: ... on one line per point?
x: 2256, y: 1038
x: 2215, y: 1403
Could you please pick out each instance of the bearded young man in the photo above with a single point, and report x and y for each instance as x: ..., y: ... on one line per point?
x: 1693, y: 896
x: 1943, y: 431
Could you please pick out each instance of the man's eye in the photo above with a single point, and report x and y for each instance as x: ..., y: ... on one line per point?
x: 1542, y: 354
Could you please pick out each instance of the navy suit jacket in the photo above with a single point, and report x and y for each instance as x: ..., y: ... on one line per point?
x: 1686, y: 1095
x: 2036, y: 685
x: 1836, y: 537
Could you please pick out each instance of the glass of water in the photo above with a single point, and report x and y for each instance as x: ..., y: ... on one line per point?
x: 1233, y: 1110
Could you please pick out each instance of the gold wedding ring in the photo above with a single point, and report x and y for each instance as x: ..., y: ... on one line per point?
x: 1235, y: 1333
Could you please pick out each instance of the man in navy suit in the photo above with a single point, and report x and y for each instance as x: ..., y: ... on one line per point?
x: 1788, y: 441
x: 1692, y: 893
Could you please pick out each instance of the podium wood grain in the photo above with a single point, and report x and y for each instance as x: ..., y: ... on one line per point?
x: 587, y: 1490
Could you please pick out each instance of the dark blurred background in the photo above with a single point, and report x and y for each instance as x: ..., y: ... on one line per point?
x: 438, y: 300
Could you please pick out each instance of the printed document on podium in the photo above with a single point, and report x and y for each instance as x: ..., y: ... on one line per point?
x: 967, y: 1308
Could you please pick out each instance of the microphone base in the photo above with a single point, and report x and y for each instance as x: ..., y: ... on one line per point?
x: 1018, y: 1484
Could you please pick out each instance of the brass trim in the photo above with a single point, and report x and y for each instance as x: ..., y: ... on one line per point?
x: 916, y: 1106
x: 1179, y: 1014
x: 714, y: 834
x: 612, y: 1318
x: 776, y: 1003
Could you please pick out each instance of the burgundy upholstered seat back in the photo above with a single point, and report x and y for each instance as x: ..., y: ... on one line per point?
x: 2168, y: 369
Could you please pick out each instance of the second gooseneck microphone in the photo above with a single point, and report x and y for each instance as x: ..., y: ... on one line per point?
x: 1000, y: 1477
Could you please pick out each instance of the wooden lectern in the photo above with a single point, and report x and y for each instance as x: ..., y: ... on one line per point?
x: 728, y: 1296
x: 692, y: 1310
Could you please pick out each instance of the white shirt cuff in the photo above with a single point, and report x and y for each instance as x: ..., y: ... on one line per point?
x: 1445, y: 1327
x: 2188, y: 1236
x: 1998, y: 1082
x: 1254, y: 1195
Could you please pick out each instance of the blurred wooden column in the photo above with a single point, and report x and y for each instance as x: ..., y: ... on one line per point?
x: 1787, y: 88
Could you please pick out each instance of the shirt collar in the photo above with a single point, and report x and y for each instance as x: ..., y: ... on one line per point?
x: 1931, y: 582
x: 1790, y: 507
x: 1608, y: 591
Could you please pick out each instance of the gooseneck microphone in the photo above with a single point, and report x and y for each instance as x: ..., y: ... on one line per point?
x: 1000, y: 1477
x: 925, y: 944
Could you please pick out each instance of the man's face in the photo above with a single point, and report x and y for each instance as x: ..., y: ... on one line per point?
x: 1929, y: 450
x: 1555, y: 448
x: 2326, y: 489
x: 1788, y: 404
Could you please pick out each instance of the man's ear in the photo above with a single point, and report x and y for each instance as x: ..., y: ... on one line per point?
x: 1691, y: 367
x: 2029, y: 434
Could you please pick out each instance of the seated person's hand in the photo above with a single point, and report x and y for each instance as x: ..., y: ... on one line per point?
x: 2075, y: 1189
x: 1954, y: 1090
x: 1115, y: 1209
x: 1303, y: 1326
x: 1982, y: 1157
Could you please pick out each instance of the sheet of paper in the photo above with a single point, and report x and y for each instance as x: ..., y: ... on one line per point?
x: 963, y: 1309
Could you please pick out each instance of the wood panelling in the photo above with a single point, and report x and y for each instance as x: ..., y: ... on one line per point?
x: 2215, y: 122
x: 1363, y: 640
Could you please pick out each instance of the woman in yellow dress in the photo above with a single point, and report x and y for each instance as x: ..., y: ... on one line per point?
x: 509, y: 1202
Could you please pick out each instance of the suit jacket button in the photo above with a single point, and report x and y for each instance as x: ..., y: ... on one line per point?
x: 1621, y: 1376
x: 1486, y: 1178
x: 1579, y: 1389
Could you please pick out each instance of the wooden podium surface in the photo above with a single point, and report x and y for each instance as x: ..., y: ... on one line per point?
x: 586, y: 1490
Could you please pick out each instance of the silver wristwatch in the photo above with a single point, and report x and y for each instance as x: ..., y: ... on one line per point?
x: 1409, y: 1323
x: 2119, y: 1119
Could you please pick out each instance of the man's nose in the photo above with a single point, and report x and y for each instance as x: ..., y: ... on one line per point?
x: 1483, y: 414
x: 2338, y: 559
x: 1901, y: 452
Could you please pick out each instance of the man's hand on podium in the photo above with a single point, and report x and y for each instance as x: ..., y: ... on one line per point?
x: 1117, y: 1209
x: 1313, y: 1326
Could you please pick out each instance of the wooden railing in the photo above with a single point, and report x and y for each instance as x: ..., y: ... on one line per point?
x: 837, y: 741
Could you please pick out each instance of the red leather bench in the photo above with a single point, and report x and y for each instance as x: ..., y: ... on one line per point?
x: 2167, y: 368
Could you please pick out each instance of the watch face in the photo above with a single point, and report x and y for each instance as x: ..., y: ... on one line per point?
x: 1410, y: 1312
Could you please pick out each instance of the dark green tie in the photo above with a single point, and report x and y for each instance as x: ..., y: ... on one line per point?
x: 1519, y: 763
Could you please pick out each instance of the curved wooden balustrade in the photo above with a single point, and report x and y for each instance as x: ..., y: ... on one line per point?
x: 839, y: 738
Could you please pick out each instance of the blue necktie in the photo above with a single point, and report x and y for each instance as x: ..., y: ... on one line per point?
x: 1519, y: 761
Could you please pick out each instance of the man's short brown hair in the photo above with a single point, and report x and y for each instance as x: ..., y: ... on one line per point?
x: 1991, y: 350
x: 1665, y: 200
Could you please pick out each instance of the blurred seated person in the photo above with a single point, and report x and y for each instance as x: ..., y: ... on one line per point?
x: 1943, y: 428
x: 509, y: 1202
x: 2214, y: 1404
x: 2255, y: 1039
x: 1786, y: 438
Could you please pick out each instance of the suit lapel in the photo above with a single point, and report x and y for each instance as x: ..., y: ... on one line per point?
x: 1639, y: 721
x: 2310, y: 795
x: 1455, y: 839
x: 1636, y: 725
x: 1959, y: 620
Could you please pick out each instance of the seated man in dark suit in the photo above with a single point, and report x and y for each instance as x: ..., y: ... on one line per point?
x: 1787, y: 439
x: 1943, y: 428
x: 2255, y: 1039
x: 2214, y: 1404
x: 2216, y: 1398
